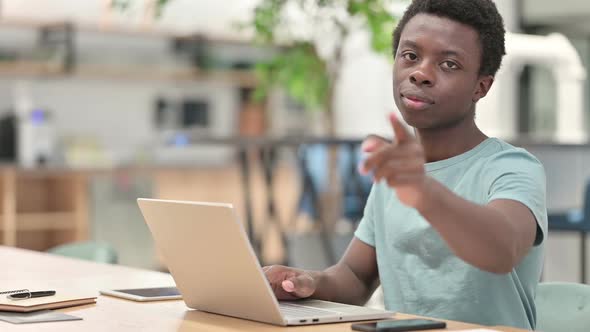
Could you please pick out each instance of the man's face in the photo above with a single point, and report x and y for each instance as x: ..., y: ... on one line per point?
x: 436, y: 79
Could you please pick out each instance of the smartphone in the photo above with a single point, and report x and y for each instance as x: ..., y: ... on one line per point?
x: 397, y: 325
x: 145, y: 294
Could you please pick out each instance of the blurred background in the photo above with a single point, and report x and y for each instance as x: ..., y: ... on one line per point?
x: 259, y: 103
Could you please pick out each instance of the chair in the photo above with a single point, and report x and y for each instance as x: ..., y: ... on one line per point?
x: 313, y: 162
x: 575, y: 220
x: 563, y: 307
x: 91, y: 251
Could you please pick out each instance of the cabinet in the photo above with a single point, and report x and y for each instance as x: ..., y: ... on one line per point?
x: 42, y: 208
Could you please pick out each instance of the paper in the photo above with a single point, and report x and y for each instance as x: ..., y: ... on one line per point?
x: 36, y: 317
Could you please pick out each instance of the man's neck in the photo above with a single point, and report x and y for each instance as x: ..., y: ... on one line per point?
x: 449, y: 142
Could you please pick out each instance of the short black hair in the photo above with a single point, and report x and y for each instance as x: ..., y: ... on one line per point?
x: 481, y: 15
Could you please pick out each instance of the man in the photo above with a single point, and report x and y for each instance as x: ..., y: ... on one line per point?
x: 455, y: 222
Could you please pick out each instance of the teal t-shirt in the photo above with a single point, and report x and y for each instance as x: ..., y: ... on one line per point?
x: 418, y: 272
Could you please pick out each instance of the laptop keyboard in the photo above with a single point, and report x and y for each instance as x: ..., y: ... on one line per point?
x: 296, y: 311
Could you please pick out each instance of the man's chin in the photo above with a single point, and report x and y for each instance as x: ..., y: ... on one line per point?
x: 412, y: 119
x: 420, y: 123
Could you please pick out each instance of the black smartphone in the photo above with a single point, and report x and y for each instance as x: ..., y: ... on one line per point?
x: 398, y: 325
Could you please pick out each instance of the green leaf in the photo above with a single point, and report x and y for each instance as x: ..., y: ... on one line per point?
x: 160, y: 4
x: 121, y: 5
x: 266, y: 18
x: 298, y: 69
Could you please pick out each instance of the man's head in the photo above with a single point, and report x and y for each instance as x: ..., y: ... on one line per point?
x: 446, y: 55
x: 481, y: 15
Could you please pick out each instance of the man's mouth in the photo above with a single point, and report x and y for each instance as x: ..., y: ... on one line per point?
x: 416, y: 102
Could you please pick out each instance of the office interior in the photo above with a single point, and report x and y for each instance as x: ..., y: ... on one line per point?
x: 103, y: 103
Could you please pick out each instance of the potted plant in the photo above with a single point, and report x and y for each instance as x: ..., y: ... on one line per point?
x: 311, y: 35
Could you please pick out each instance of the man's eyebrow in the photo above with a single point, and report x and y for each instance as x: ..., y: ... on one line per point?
x: 409, y: 43
x: 449, y: 52
x: 455, y: 53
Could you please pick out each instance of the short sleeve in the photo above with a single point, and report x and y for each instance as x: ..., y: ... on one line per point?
x: 366, y: 228
x: 517, y: 175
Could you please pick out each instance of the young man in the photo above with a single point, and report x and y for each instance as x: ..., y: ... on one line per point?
x: 455, y: 222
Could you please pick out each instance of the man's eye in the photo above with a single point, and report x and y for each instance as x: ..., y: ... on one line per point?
x: 409, y: 56
x: 450, y: 65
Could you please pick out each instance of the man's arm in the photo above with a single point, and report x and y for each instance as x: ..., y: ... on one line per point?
x: 352, y: 280
x: 494, y: 237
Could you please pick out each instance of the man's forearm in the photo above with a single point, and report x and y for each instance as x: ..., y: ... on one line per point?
x: 338, y: 283
x: 480, y: 235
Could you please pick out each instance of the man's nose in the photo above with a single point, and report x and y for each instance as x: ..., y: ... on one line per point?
x: 422, y: 76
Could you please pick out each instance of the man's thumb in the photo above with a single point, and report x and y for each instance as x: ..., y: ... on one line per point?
x: 300, y: 286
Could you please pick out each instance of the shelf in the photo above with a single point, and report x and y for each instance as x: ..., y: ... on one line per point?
x: 29, y: 68
x: 147, y: 31
x: 237, y: 77
x: 62, y: 34
x: 41, y: 211
x: 45, y: 221
x: 25, y: 23
x: 244, y: 78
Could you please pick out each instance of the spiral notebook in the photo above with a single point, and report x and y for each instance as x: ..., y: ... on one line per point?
x: 61, y: 299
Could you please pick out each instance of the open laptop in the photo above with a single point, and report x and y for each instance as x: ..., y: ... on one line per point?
x: 212, y: 262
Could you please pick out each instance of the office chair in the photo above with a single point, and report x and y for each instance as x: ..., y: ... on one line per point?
x: 563, y: 306
x: 91, y: 251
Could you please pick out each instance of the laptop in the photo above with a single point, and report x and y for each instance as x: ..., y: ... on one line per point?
x: 212, y: 262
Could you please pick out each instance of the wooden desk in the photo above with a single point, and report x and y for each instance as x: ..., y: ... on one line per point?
x: 25, y: 269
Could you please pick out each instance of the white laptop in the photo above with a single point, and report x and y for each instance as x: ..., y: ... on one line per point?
x: 212, y: 262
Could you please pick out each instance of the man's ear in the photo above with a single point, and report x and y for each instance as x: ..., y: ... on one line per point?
x: 484, y: 84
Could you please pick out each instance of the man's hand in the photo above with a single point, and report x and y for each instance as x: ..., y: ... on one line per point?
x: 288, y: 283
x: 400, y: 164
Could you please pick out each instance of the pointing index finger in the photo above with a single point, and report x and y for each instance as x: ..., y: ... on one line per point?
x: 402, y: 134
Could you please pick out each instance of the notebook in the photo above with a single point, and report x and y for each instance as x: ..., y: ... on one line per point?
x: 59, y: 300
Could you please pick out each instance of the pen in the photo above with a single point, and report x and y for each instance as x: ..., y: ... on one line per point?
x: 29, y: 295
